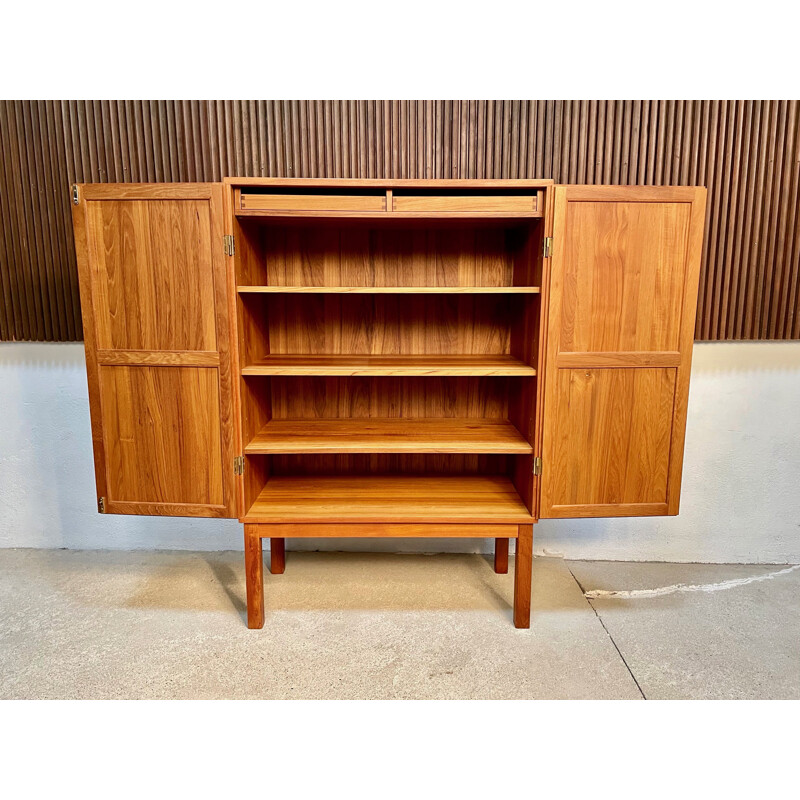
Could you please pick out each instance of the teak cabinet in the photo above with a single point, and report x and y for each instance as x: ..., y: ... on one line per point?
x: 388, y: 358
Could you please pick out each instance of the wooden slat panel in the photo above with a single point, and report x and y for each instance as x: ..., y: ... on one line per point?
x: 746, y: 152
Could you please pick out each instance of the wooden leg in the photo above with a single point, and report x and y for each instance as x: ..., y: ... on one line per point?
x: 254, y: 577
x: 501, y: 556
x: 277, y: 556
x: 522, y: 577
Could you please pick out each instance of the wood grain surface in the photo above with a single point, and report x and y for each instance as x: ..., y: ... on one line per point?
x: 369, y: 255
x: 621, y: 297
x: 376, y: 498
x: 161, y: 430
x: 456, y: 365
x: 381, y: 435
x: 157, y: 347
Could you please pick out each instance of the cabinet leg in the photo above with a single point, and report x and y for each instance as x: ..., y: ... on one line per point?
x: 501, y: 556
x: 277, y: 556
x: 254, y: 577
x: 523, y: 564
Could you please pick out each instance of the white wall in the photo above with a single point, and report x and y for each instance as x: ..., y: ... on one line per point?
x: 741, y: 486
x: 740, y: 499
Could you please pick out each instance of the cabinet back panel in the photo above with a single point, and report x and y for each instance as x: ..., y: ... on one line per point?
x: 402, y: 398
x: 391, y: 324
x: 390, y: 464
x: 357, y: 255
x: 152, y: 274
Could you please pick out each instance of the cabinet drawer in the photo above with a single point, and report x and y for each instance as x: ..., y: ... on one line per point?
x: 520, y: 204
x: 312, y: 202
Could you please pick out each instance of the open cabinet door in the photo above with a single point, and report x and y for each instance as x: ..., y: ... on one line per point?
x: 623, y: 293
x: 155, y: 319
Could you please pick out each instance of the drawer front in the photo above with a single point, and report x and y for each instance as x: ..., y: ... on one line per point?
x: 521, y: 204
x: 312, y: 202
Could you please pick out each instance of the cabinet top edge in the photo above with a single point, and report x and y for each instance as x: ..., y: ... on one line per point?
x: 390, y: 183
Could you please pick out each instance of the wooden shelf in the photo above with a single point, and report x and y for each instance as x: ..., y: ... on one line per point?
x: 387, y: 215
x: 386, y: 498
x: 384, y: 435
x: 388, y: 290
x: 461, y: 365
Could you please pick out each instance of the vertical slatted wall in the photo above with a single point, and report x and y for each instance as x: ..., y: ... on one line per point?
x: 746, y: 152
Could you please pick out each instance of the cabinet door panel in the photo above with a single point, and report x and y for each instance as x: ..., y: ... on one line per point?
x: 168, y: 419
x: 610, y: 443
x: 622, y: 290
x: 622, y: 300
x: 152, y: 274
x: 154, y: 304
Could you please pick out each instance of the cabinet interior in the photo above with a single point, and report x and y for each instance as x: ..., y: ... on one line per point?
x: 375, y: 350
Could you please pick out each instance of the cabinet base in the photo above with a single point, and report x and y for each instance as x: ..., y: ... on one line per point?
x: 277, y: 533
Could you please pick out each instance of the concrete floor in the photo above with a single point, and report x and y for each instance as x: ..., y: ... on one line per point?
x: 100, y: 624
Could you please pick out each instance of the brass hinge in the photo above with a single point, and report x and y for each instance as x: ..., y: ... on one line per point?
x: 537, y: 465
x: 228, y: 244
x: 75, y: 198
x: 101, y: 505
x: 238, y: 465
x: 547, y: 247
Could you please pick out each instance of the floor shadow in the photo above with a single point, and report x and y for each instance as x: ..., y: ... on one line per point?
x: 489, y: 559
x: 485, y: 574
x: 230, y: 583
